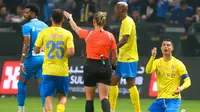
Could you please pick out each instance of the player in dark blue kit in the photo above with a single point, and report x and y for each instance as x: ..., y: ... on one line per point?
x: 31, y: 63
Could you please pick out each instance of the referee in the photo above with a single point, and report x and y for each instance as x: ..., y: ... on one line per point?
x: 97, y: 70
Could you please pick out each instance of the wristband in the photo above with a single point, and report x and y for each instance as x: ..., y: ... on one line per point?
x: 68, y: 19
x: 23, y: 54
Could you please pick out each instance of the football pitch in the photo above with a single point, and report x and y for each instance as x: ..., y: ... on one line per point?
x: 33, y: 104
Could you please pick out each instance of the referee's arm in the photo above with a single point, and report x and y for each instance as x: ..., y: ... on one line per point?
x: 71, y: 22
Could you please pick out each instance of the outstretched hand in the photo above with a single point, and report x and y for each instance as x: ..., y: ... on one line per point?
x: 66, y: 14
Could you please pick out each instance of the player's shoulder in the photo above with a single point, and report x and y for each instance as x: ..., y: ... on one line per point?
x: 128, y: 19
x: 26, y: 25
x: 177, y: 61
x: 158, y: 60
x: 42, y: 23
x: 66, y: 32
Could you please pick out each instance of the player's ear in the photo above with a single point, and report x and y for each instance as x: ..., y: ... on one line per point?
x: 63, y: 20
x: 172, y: 48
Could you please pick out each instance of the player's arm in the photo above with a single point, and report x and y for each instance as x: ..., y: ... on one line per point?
x: 25, y: 48
x: 26, y: 44
x: 71, y: 22
x: 123, y: 41
x: 39, y: 42
x: 186, y: 83
x: 126, y: 32
x: 114, y: 52
x: 70, y: 45
x: 184, y: 74
x: 151, y: 66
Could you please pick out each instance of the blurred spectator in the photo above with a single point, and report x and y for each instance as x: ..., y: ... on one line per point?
x: 136, y: 16
x: 1, y: 3
x: 4, y: 14
x: 48, y: 7
x: 87, y: 11
x: 150, y: 11
x: 19, y: 17
x: 196, y: 17
x: 174, y: 3
x: 134, y: 4
x: 180, y: 13
x: 162, y: 10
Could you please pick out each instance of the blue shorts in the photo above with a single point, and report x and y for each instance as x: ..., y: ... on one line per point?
x: 126, y: 69
x: 32, y: 67
x: 60, y: 84
x: 165, y: 105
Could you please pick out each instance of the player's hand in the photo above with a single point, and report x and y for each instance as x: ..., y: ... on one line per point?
x: 178, y: 90
x: 154, y: 51
x: 22, y: 68
x: 42, y: 49
x: 66, y: 14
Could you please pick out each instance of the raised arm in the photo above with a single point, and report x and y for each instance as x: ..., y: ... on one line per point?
x: 151, y: 67
x: 71, y: 22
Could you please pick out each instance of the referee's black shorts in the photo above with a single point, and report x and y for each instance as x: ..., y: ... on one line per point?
x: 96, y: 72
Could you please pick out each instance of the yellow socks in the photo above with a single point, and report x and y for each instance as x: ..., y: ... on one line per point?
x: 113, y: 95
x: 135, y: 98
x: 60, y: 108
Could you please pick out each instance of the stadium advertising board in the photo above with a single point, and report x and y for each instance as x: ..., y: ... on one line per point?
x: 146, y: 84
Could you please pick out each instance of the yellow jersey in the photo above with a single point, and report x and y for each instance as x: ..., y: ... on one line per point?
x: 168, y: 75
x: 129, y: 51
x: 56, y: 41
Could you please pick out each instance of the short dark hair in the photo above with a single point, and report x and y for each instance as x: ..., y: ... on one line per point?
x: 57, y: 15
x: 183, y: 2
x: 34, y: 8
x: 169, y: 41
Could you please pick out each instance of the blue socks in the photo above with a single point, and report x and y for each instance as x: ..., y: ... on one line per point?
x: 21, y: 96
x: 41, y: 94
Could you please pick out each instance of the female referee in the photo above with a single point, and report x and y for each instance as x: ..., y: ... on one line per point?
x: 97, y: 70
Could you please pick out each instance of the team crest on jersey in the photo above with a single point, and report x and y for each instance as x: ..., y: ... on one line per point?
x: 173, y: 68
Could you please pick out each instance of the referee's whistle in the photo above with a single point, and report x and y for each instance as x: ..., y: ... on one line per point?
x: 102, y: 60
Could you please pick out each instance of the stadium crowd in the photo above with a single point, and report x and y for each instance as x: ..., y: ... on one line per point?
x: 168, y: 11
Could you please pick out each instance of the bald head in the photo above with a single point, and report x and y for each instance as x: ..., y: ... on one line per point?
x: 122, y: 3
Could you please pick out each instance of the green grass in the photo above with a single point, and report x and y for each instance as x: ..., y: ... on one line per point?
x: 9, y: 104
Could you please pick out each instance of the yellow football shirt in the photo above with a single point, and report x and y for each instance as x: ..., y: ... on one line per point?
x: 56, y: 40
x: 168, y: 75
x: 129, y: 51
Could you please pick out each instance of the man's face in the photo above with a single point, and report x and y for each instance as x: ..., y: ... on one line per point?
x: 151, y: 1
x: 19, y: 10
x: 136, y: 14
x: 198, y: 10
x: 27, y: 14
x: 117, y: 11
x: 184, y: 7
x: 3, y: 11
x: 167, y: 48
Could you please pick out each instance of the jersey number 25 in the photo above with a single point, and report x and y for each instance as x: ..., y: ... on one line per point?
x: 58, y: 46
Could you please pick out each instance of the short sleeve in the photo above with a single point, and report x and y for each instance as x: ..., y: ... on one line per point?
x: 83, y: 33
x: 113, y: 45
x: 26, y: 30
x: 39, y: 41
x: 127, y: 27
x: 181, y: 69
x: 70, y: 42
